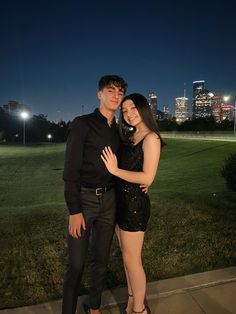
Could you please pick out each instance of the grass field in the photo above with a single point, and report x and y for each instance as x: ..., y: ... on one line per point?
x: 192, y: 227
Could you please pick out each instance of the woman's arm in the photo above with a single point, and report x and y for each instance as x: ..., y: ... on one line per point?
x: 151, y: 151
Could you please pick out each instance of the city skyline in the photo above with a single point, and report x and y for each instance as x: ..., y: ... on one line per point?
x: 54, y: 52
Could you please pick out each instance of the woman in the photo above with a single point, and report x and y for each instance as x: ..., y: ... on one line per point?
x: 138, y: 161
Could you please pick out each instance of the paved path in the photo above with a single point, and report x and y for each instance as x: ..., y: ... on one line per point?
x: 180, y: 136
x: 212, y: 292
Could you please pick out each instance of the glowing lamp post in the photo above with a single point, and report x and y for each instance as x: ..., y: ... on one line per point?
x: 24, y: 115
x: 226, y: 98
x: 49, y: 137
x: 235, y: 118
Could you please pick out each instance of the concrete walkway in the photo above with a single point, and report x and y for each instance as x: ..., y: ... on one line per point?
x: 212, y: 292
x: 200, y: 137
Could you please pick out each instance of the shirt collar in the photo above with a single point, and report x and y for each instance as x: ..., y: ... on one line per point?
x: 103, y: 118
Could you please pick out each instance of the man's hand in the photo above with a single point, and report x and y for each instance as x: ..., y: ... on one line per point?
x: 76, y: 225
x: 144, y: 188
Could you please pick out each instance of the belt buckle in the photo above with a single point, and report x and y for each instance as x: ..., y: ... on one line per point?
x: 100, y: 191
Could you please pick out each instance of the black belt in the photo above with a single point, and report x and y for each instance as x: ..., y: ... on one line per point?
x: 98, y: 191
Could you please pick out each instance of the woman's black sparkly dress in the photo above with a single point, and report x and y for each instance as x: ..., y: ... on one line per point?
x: 133, y: 209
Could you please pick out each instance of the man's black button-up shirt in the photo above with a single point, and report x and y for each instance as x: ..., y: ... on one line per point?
x: 88, y: 135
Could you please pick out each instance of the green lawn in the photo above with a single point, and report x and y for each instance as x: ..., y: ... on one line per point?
x: 192, y: 227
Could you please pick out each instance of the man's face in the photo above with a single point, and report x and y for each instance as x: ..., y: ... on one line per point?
x: 110, y: 97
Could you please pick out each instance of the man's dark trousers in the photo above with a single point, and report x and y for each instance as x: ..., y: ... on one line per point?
x: 99, y: 213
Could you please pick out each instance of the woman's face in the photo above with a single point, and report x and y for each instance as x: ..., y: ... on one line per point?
x: 130, y: 113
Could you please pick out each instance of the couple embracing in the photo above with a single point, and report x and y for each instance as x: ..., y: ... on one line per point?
x: 108, y: 168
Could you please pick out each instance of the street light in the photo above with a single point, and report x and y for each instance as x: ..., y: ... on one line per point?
x: 24, y: 115
x: 49, y: 137
x: 226, y: 98
x: 235, y: 118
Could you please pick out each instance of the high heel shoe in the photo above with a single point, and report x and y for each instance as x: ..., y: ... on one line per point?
x: 146, y: 308
x: 124, y: 311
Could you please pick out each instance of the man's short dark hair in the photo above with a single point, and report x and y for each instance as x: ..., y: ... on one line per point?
x: 115, y: 80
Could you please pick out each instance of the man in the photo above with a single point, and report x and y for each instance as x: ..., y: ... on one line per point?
x: 90, y: 194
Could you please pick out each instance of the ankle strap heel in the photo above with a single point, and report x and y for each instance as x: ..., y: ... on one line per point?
x: 124, y: 311
x: 146, y: 308
x: 140, y: 311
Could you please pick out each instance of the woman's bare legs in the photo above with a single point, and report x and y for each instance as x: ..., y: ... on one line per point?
x: 131, y: 247
x: 129, y: 306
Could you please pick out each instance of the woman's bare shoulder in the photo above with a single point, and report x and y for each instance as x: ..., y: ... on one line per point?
x: 151, y: 136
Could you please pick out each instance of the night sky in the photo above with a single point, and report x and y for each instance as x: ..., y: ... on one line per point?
x: 54, y: 52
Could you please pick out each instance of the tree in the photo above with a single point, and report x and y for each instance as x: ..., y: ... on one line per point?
x: 167, y: 125
x: 228, y: 171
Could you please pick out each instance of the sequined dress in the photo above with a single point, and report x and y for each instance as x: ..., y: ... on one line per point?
x: 133, y: 209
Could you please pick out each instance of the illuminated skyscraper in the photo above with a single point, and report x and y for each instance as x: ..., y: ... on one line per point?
x: 198, y: 87
x: 181, y: 109
x: 152, y: 99
x: 216, y: 103
x: 203, y: 101
x: 166, y: 112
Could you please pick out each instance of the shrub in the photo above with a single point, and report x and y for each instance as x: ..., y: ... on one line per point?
x: 228, y: 171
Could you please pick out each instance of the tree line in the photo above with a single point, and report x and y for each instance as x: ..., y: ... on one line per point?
x: 38, y: 127
x: 199, y: 124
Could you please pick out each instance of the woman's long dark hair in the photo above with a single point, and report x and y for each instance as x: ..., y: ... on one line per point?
x: 146, y: 115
